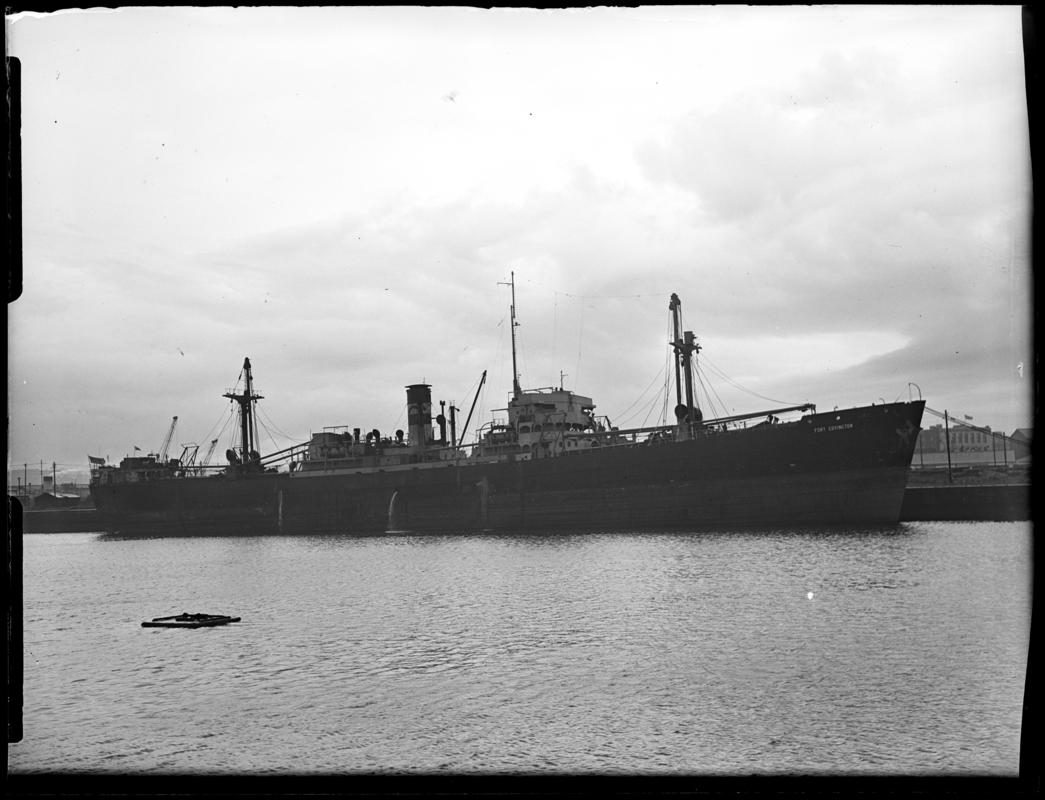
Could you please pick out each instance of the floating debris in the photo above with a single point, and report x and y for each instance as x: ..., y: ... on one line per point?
x: 185, y: 620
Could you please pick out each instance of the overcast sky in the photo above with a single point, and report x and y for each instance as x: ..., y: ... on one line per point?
x: 840, y: 197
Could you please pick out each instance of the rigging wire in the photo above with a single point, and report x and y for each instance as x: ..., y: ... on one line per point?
x: 272, y: 439
x: 717, y: 410
x: 402, y: 410
x: 227, y: 413
x: 708, y: 388
x: 622, y: 415
x: 609, y: 296
x: 520, y: 355
x: 275, y: 427
x: 721, y: 402
x: 669, y: 356
x: 481, y: 406
x: 221, y: 433
x: 13, y: 469
x: 580, y: 341
x: 555, y: 327
x: 227, y: 417
x: 664, y: 408
x: 736, y: 385
x: 652, y: 405
x: 949, y: 417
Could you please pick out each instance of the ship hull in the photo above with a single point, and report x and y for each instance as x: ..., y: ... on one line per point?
x: 837, y: 468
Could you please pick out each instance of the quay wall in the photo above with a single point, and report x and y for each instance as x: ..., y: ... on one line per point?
x: 69, y: 520
x: 979, y: 503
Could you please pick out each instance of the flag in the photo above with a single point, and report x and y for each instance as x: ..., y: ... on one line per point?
x: 136, y: 448
x: 96, y: 460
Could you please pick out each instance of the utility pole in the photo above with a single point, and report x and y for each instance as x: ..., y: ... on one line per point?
x: 947, y: 431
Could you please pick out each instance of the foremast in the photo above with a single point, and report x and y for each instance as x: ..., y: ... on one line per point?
x: 685, y: 347
x: 247, y: 452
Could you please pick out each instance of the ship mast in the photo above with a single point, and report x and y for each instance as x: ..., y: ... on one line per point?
x: 516, y: 389
x: 674, y: 306
x: 248, y: 425
x: 684, y: 346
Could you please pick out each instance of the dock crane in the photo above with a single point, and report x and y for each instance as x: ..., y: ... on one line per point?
x: 167, y: 441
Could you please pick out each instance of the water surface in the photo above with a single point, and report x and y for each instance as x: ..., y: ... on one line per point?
x: 873, y: 651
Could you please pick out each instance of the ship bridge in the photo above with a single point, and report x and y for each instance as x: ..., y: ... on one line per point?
x: 559, y: 408
x: 549, y: 422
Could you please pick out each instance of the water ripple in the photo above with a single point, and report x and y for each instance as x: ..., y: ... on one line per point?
x: 898, y: 650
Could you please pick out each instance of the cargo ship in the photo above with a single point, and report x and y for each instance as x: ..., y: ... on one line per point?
x: 551, y: 464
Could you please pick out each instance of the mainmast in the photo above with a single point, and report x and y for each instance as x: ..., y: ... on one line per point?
x: 516, y: 389
x: 248, y: 424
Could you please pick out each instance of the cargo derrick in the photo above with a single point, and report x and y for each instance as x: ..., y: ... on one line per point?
x: 167, y: 441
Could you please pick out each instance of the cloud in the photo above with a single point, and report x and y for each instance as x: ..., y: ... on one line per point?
x: 842, y: 207
x: 849, y: 196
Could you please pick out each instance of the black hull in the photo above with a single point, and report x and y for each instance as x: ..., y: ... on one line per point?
x: 837, y: 468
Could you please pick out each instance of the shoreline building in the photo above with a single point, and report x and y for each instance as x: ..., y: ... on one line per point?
x: 970, y: 444
x: 963, y: 440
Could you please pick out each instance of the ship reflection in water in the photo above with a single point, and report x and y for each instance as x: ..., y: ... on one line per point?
x: 881, y: 650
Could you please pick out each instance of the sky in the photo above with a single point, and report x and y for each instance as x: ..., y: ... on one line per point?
x: 840, y: 196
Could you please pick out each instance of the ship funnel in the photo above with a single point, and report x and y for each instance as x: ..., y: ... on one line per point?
x: 419, y: 415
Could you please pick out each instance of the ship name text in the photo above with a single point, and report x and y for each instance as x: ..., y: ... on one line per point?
x: 843, y: 427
